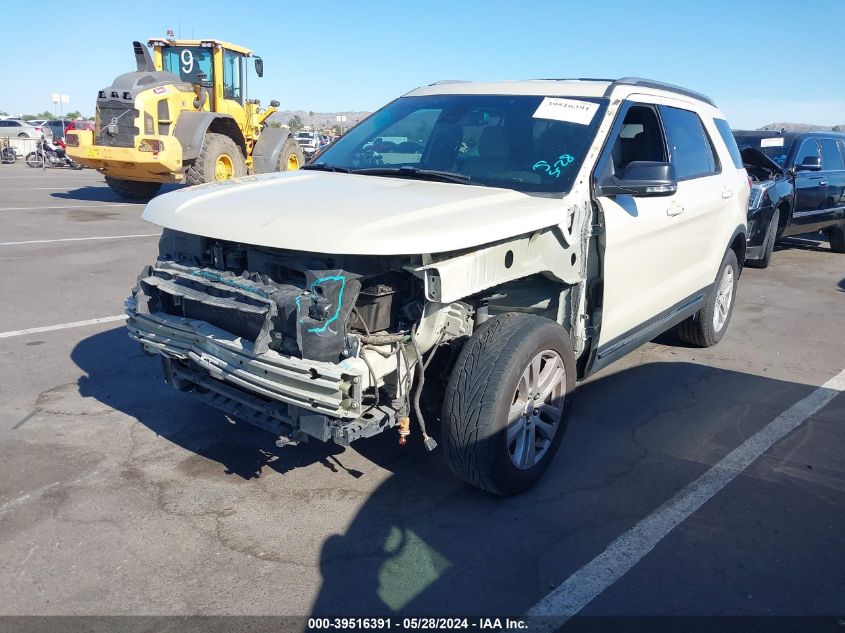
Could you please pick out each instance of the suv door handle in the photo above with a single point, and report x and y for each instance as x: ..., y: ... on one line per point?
x: 727, y: 193
x: 822, y: 183
x: 674, y: 209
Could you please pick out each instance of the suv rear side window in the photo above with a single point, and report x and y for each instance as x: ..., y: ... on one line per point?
x: 831, y: 156
x: 730, y: 141
x: 690, y: 149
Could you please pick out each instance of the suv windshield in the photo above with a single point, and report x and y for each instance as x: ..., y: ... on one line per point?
x: 774, y: 147
x: 522, y: 142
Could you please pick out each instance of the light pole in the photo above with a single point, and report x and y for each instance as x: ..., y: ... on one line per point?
x: 60, y: 99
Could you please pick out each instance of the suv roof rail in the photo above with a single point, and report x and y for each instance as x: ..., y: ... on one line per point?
x: 448, y: 81
x: 659, y: 85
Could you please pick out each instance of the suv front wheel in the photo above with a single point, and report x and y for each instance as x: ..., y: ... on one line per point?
x: 706, y: 327
x: 507, y: 402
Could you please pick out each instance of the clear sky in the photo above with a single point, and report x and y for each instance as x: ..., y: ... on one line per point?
x: 762, y: 61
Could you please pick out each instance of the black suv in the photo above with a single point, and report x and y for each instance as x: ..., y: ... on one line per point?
x: 799, y: 187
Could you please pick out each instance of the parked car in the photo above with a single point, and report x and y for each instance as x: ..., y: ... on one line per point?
x: 521, y: 237
x: 799, y: 187
x: 309, y: 142
x: 20, y: 129
x: 37, y: 122
x: 55, y: 128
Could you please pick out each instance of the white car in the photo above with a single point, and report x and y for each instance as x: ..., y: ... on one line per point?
x: 19, y: 129
x: 309, y: 142
x: 466, y: 253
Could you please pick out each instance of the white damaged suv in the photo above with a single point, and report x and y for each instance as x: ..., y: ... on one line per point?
x: 452, y: 266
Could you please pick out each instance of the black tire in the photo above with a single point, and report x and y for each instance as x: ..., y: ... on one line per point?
x: 32, y: 160
x: 483, y: 387
x: 133, y: 189
x: 837, y: 238
x: 213, y: 147
x: 768, y: 244
x: 699, y: 329
x: 9, y: 156
x: 291, y: 151
x: 24, y: 135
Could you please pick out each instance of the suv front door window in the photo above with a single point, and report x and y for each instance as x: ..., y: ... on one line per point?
x: 810, y: 186
x: 658, y: 255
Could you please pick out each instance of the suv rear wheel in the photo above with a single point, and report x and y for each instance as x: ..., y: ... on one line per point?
x: 706, y: 327
x: 507, y: 402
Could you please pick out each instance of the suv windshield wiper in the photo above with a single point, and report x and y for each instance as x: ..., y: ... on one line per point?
x: 415, y: 172
x: 324, y: 167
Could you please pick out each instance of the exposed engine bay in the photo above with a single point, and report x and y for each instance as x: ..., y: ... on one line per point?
x: 293, y: 303
x: 760, y: 167
x: 308, y: 344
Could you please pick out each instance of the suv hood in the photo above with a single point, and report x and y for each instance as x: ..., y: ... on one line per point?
x: 325, y: 212
x: 753, y: 156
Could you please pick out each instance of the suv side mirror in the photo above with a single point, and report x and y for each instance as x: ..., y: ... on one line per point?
x: 640, y: 179
x: 274, y: 104
x: 259, y: 66
x: 810, y: 163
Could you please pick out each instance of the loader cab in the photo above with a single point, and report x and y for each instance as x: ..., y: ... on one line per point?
x: 218, y: 66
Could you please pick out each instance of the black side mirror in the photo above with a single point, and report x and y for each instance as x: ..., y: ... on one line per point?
x: 641, y: 179
x: 274, y: 104
x: 810, y: 163
x: 259, y: 66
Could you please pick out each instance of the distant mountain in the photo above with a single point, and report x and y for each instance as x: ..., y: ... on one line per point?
x: 320, y: 119
x: 803, y: 127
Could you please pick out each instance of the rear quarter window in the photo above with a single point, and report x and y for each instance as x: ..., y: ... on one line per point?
x: 730, y: 141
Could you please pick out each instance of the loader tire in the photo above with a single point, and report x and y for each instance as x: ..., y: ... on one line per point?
x: 291, y: 156
x: 133, y: 189
x: 220, y: 158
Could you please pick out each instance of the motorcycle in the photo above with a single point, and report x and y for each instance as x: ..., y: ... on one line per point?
x: 7, y: 155
x: 48, y: 155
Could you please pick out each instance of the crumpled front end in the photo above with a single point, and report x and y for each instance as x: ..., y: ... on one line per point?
x: 273, y: 354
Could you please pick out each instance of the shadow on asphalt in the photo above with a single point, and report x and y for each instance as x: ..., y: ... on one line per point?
x: 102, y: 193
x: 813, y: 242
x: 423, y: 542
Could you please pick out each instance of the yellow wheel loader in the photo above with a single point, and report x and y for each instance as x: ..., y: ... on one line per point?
x: 182, y: 117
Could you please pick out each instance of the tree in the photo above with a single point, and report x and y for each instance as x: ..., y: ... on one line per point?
x: 73, y: 115
x: 295, y: 123
x: 836, y: 128
x: 311, y: 117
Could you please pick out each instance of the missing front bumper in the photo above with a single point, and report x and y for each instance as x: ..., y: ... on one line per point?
x: 287, y: 396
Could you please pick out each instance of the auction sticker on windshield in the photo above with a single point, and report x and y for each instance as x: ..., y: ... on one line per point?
x: 569, y: 110
x: 776, y: 141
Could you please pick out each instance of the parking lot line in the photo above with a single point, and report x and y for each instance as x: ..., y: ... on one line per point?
x: 62, y: 326
x: 79, y: 239
x: 72, y: 206
x: 590, y: 581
